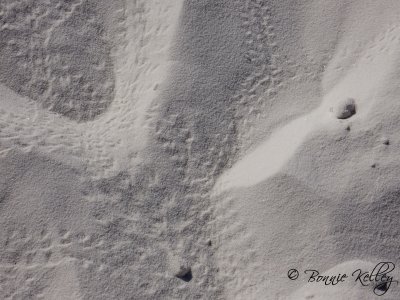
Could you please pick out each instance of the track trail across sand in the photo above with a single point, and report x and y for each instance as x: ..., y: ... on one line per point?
x: 122, y: 196
x: 140, y: 59
x: 361, y: 83
x: 311, y: 183
x: 67, y: 164
x: 196, y: 149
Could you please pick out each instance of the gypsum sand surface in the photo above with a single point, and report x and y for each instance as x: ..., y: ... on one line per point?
x: 196, y: 149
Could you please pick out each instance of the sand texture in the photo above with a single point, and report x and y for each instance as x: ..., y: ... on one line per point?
x: 199, y: 149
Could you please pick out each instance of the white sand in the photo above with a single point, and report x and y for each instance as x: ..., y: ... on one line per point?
x: 197, y: 149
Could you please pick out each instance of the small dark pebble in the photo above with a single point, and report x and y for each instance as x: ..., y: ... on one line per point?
x: 185, y: 274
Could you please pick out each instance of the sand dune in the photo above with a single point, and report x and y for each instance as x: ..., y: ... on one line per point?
x: 198, y: 149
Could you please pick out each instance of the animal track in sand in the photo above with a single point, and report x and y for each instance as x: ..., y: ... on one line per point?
x: 273, y: 154
x: 56, y: 53
x: 101, y: 130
